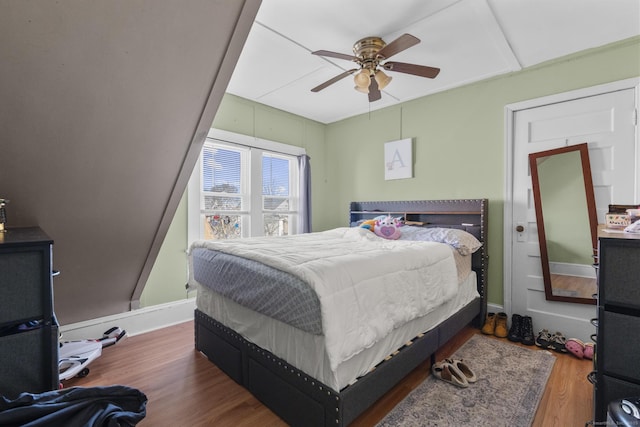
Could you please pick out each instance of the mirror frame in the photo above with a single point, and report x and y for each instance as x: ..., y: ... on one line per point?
x: 591, y: 210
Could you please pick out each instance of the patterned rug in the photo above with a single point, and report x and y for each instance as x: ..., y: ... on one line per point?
x: 511, y: 381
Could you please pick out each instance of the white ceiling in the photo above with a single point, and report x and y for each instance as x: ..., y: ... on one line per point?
x: 469, y: 40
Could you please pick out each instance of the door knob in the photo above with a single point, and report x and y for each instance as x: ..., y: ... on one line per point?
x: 519, y: 229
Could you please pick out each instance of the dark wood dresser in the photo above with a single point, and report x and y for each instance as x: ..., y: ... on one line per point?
x: 28, y: 331
x: 617, y: 360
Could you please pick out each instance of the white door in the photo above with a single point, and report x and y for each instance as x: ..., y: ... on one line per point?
x: 607, y: 123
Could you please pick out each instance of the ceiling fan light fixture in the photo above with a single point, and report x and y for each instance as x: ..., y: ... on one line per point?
x: 362, y: 79
x: 371, y: 53
x: 382, y: 79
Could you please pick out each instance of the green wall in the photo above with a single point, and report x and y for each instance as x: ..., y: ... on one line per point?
x: 169, y: 273
x: 459, y: 147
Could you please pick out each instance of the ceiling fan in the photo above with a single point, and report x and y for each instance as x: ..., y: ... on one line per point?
x: 369, y: 54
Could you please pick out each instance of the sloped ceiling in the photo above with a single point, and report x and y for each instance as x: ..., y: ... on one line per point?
x: 469, y: 40
x: 104, y: 106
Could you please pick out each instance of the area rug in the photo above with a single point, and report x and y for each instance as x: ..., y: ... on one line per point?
x: 511, y: 381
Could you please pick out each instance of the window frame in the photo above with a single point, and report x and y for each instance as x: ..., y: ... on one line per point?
x: 257, y: 147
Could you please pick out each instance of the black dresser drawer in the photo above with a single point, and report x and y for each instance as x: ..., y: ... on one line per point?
x: 21, y: 285
x: 619, y: 344
x: 619, y: 260
x: 31, y: 362
x: 613, y: 388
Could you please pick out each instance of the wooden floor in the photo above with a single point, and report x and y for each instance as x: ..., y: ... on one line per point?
x: 575, y: 286
x: 185, y: 389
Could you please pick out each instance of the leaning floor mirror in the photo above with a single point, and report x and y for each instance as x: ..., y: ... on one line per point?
x: 567, y: 222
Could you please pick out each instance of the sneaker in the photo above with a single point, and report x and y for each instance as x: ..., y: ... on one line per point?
x: 527, y: 331
x: 489, y: 324
x: 515, y: 333
x: 501, y: 330
x: 543, y: 339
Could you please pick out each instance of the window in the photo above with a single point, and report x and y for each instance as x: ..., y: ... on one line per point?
x: 244, y: 190
x: 277, y: 203
x: 224, y: 192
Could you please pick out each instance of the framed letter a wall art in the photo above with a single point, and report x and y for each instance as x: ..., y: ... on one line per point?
x: 398, y: 159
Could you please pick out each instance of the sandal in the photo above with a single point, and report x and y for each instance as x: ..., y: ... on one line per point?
x: 449, y: 373
x: 464, y: 369
x: 543, y: 339
x: 589, y: 349
x: 575, y: 347
x: 558, y: 342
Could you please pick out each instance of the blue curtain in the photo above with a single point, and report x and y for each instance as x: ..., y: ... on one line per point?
x: 304, y: 218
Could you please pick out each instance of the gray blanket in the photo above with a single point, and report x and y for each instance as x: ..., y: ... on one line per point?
x: 262, y: 288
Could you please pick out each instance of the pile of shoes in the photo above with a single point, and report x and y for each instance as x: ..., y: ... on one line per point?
x: 557, y: 342
x: 521, y: 329
x: 454, y: 371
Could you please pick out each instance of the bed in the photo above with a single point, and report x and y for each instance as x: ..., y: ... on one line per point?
x: 293, y: 368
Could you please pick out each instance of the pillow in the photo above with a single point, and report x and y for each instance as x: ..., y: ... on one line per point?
x: 388, y: 228
x: 464, y: 242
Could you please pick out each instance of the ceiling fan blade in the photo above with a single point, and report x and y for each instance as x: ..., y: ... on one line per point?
x: 333, y: 80
x: 335, y: 55
x: 416, y: 70
x: 374, y: 91
x: 403, y: 42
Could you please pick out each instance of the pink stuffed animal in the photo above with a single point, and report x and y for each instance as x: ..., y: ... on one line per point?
x: 388, y: 228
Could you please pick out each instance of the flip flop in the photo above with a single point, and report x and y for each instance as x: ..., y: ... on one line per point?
x: 464, y: 369
x: 575, y: 347
x: 449, y: 373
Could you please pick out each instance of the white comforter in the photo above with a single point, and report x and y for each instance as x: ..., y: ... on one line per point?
x: 367, y: 286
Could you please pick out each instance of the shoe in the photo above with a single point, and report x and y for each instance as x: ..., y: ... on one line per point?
x: 589, y: 349
x: 501, y: 330
x: 575, y: 347
x: 489, y: 324
x: 527, y: 331
x: 449, y: 373
x: 515, y: 333
x: 464, y: 369
x: 557, y: 343
x: 543, y: 339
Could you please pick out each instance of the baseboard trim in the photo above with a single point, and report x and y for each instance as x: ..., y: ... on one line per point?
x: 494, y: 308
x: 135, y: 322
